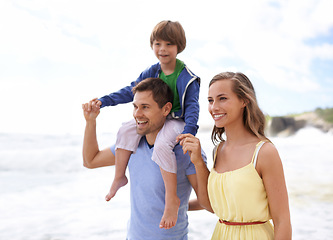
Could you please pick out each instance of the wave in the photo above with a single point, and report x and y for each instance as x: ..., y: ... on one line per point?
x: 63, y: 153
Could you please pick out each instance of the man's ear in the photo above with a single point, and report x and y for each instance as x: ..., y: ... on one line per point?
x: 167, y: 108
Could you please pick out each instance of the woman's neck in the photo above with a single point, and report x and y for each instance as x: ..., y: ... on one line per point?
x: 238, y: 135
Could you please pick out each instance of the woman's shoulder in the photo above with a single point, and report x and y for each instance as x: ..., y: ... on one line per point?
x: 268, y: 155
x: 268, y: 148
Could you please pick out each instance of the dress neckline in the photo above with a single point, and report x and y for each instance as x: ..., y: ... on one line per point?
x: 231, y: 171
x: 256, y: 150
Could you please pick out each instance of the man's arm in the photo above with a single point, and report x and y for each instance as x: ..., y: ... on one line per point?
x: 92, y: 156
x: 194, y: 204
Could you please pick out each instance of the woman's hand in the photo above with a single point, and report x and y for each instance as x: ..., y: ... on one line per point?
x: 192, y: 146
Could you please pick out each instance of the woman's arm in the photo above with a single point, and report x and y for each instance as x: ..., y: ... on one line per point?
x: 270, y: 168
x: 192, y: 145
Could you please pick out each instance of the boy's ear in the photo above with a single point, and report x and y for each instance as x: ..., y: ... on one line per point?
x: 167, y: 108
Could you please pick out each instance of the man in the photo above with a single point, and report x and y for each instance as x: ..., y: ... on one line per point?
x: 152, y: 105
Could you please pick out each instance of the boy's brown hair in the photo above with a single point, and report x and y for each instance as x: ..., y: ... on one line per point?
x: 172, y: 32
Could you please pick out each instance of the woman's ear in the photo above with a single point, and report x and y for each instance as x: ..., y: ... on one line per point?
x: 245, y: 102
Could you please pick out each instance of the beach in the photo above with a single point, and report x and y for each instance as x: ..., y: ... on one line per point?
x: 47, y: 194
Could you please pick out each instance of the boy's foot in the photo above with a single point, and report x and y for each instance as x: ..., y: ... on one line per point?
x: 117, y: 183
x: 170, y: 214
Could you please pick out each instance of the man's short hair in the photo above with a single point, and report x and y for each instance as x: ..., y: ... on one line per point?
x: 162, y: 93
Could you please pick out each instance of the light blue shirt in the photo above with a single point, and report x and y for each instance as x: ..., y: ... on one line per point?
x: 148, y: 195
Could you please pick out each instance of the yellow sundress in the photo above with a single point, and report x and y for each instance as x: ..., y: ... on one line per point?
x: 239, y: 196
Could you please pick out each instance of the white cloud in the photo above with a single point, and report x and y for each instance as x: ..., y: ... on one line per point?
x: 60, y: 53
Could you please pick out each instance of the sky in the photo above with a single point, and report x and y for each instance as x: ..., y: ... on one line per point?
x: 56, y: 55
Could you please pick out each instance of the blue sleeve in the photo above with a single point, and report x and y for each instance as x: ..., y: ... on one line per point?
x: 125, y: 95
x: 113, y: 149
x: 191, y: 111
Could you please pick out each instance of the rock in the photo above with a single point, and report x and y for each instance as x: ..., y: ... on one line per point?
x: 286, y: 126
x: 312, y: 119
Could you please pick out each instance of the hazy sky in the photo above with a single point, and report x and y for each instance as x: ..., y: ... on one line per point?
x: 56, y: 55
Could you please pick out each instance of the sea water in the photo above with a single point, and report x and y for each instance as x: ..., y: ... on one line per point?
x: 47, y: 194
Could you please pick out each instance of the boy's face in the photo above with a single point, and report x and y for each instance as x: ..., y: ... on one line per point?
x: 165, y: 51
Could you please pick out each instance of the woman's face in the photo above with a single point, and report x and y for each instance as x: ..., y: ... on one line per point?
x: 223, y: 104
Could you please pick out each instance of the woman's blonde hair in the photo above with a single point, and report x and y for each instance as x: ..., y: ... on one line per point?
x: 253, y: 118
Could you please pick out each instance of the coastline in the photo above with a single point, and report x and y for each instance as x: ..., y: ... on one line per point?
x: 284, y: 126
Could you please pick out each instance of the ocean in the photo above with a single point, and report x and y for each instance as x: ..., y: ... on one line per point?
x: 47, y: 194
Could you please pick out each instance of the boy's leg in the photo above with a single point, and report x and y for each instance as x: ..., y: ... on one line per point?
x: 172, y: 201
x: 164, y: 156
x: 121, y: 160
x: 127, y: 142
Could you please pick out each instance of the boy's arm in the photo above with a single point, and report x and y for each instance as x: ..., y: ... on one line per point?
x: 125, y: 94
x: 191, y: 108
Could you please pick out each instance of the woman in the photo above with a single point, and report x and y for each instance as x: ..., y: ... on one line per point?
x: 246, y: 187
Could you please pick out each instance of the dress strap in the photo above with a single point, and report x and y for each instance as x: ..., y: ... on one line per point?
x: 256, y: 151
x: 215, y: 151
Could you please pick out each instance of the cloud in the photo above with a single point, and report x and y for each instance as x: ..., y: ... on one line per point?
x: 58, y: 54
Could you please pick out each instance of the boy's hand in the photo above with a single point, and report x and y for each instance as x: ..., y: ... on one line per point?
x: 94, y: 103
x: 91, y: 109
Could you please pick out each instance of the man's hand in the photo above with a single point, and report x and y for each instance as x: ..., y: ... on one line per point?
x: 91, y: 109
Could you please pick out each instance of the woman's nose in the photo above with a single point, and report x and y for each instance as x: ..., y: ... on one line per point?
x: 214, y: 105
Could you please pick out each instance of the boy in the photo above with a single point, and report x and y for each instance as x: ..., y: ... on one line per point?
x: 167, y: 40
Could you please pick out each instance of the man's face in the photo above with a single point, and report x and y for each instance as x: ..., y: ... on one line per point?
x: 148, y: 115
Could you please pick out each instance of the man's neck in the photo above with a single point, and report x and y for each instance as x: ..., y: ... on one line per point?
x: 151, y: 138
